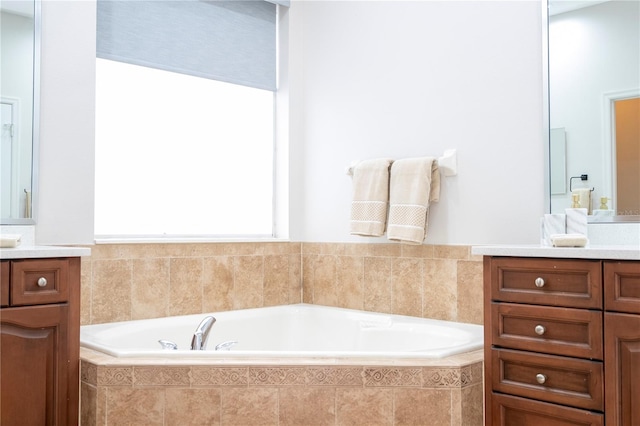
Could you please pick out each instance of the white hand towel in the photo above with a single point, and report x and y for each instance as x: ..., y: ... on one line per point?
x: 415, y: 182
x: 584, y: 199
x: 569, y: 240
x: 10, y: 240
x: 370, y: 197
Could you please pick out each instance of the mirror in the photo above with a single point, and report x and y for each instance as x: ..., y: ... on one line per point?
x: 594, y: 106
x: 19, y: 115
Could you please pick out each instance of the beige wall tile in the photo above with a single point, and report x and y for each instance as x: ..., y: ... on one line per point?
x: 307, y: 406
x: 377, y: 284
x: 129, y: 406
x: 88, y: 405
x: 385, y: 250
x: 249, y: 406
x: 406, y: 283
x: 217, y: 284
x: 295, y: 278
x: 422, y: 251
x: 150, y: 288
x: 276, y: 280
x: 249, y: 281
x: 440, y: 289
x: 359, y: 406
x: 85, y: 290
x: 350, y: 282
x: 451, y: 252
x: 470, y: 292
x: 185, y: 288
x: 422, y: 407
x: 324, y: 281
x: 111, y: 291
x: 307, y: 267
x: 192, y: 407
x: 467, y: 404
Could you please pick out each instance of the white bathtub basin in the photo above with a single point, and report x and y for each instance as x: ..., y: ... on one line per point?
x: 300, y: 330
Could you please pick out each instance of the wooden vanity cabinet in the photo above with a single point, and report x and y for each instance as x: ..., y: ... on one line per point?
x: 562, y: 342
x: 39, y: 341
x: 622, y: 342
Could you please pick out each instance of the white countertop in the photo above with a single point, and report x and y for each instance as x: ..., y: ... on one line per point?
x: 32, y: 252
x: 613, y: 252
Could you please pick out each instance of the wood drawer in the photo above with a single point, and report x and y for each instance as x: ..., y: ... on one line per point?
x: 558, y: 331
x: 4, y: 283
x: 40, y: 281
x: 567, y: 381
x: 554, y: 282
x: 515, y: 411
x: 622, y: 290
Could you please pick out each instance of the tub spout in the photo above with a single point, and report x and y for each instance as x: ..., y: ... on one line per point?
x: 199, y: 340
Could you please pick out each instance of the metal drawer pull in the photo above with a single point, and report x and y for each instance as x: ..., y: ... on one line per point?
x: 42, y: 282
x: 539, y: 330
x: 539, y: 282
x: 541, y: 378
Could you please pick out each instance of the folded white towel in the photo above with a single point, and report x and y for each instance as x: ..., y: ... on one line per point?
x: 370, y: 197
x: 415, y: 182
x: 569, y: 240
x: 10, y: 240
x: 584, y: 198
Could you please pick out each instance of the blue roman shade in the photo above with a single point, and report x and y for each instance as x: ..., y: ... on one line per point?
x: 232, y: 41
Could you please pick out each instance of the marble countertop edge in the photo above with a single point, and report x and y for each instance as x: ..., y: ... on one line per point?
x: 608, y: 252
x: 33, y: 252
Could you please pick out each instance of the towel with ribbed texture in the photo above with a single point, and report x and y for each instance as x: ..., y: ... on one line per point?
x: 370, y: 197
x: 414, y: 184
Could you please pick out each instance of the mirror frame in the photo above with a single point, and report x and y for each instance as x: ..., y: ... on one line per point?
x: 35, y: 120
x: 546, y: 127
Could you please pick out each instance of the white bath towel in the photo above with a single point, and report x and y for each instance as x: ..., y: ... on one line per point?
x: 414, y: 184
x: 370, y: 197
x: 584, y: 198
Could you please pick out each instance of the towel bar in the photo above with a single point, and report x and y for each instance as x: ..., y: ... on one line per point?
x: 447, y: 164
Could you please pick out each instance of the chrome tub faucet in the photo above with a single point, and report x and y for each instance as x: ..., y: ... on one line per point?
x: 199, y: 340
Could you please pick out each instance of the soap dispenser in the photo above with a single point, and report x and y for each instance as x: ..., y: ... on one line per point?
x: 603, y: 203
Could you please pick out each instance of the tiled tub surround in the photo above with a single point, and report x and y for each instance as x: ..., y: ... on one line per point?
x: 121, y: 282
x: 435, y: 392
x: 134, y: 281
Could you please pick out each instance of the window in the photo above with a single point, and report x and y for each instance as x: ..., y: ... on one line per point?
x: 184, y: 147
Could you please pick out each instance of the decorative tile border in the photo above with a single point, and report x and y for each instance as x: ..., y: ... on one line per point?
x: 219, y: 376
x: 237, y: 376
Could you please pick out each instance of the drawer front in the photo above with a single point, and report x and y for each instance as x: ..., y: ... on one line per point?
x: 39, y: 281
x: 515, y: 411
x: 553, y: 282
x: 558, y: 331
x: 622, y: 286
x: 4, y: 283
x: 567, y: 381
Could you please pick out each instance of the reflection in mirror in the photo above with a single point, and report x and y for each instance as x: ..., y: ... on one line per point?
x: 19, y: 102
x: 594, y: 87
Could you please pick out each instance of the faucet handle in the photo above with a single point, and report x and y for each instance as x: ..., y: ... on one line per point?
x: 225, y: 346
x: 168, y: 344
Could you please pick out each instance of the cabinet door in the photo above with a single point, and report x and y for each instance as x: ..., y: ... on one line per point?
x: 4, y: 283
x: 34, y: 380
x: 622, y: 369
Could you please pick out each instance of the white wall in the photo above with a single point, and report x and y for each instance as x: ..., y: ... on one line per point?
x: 593, y: 51
x: 402, y: 79
x: 65, y: 211
x: 366, y: 79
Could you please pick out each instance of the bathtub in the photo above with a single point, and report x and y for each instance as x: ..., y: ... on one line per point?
x: 293, y: 364
x: 288, y: 331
